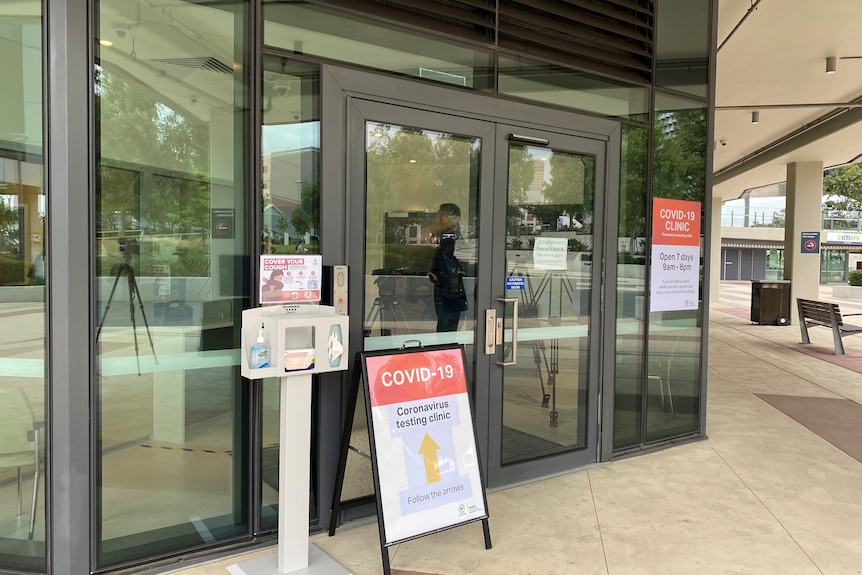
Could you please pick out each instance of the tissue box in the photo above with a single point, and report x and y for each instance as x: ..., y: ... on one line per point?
x: 298, y: 360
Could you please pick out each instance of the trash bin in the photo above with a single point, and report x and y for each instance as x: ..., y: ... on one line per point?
x: 770, y: 302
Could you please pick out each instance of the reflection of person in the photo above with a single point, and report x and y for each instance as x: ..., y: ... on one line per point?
x: 450, y: 299
x: 449, y: 221
x: 300, y: 247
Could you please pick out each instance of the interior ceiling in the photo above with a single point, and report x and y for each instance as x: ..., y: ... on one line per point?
x: 777, y: 56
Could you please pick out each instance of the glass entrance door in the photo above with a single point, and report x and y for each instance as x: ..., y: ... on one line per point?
x: 544, y: 409
x: 463, y: 219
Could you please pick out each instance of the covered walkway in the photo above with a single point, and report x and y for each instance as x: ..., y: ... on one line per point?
x: 774, y: 489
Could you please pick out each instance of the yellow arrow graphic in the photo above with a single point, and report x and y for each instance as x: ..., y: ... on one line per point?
x: 428, y: 451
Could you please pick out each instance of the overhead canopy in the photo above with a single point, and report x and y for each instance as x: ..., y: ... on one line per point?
x: 773, y: 61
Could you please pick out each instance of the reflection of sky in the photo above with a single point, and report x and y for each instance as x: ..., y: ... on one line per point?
x: 280, y: 137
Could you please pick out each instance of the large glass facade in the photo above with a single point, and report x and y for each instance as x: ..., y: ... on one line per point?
x: 23, y: 280
x: 174, y: 461
x: 171, y: 250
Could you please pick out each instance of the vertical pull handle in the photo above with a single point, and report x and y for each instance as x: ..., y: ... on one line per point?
x: 490, y: 331
x: 514, y: 302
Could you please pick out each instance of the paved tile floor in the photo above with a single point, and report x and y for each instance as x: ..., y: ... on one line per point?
x: 764, y: 494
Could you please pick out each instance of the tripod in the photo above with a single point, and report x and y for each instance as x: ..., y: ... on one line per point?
x: 392, y: 307
x: 540, y: 351
x: 134, y: 293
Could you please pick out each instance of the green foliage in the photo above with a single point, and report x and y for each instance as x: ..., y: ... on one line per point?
x: 679, y: 167
x: 856, y: 278
x: 576, y: 245
x: 633, y: 181
x: 186, y: 256
x: 306, y: 217
x: 571, y: 187
x: 521, y: 171
x: 624, y: 258
x: 843, y: 186
x: 153, y: 177
x: 13, y: 271
x: 8, y: 226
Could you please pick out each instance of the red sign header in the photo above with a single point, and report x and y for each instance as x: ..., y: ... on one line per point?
x: 416, y: 376
x: 676, y: 222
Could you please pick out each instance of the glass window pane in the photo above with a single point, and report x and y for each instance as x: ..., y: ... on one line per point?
x: 421, y: 232
x: 550, y: 211
x: 682, y: 45
x: 290, y: 178
x: 675, y: 337
x: 631, y: 286
x: 310, y: 29
x: 171, y: 256
x: 22, y: 291
x: 552, y: 84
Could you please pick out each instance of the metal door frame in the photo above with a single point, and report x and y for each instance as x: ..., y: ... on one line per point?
x: 342, y: 87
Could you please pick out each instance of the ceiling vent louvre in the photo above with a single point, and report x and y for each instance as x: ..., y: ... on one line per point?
x: 469, y: 19
x: 200, y: 63
x: 614, y: 38
x: 611, y: 37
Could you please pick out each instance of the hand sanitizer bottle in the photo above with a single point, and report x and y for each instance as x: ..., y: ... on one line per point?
x: 260, y: 352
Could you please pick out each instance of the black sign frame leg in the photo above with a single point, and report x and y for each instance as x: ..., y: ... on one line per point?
x: 352, y: 398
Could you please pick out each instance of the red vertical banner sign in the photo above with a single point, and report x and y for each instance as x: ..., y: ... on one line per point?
x: 423, y: 442
x: 675, y: 266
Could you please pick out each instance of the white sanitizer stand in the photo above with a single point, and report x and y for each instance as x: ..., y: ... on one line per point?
x: 303, y: 340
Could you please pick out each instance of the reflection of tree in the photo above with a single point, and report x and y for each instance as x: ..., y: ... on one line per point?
x: 521, y: 174
x: 414, y: 170
x: 572, y: 185
x: 306, y: 217
x: 8, y: 227
x: 633, y: 183
x: 679, y: 166
x: 138, y: 133
x: 843, y: 189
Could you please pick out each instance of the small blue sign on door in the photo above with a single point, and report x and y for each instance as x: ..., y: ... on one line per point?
x: 515, y: 283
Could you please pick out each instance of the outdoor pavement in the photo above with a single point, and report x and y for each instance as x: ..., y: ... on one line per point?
x: 775, y: 489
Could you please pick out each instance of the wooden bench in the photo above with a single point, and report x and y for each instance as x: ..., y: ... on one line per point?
x: 825, y: 314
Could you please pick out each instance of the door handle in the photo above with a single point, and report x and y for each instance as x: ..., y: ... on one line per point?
x: 514, y: 302
x: 490, y: 331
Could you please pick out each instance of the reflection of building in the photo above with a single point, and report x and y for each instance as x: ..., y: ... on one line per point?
x: 21, y: 213
x: 283, y: 175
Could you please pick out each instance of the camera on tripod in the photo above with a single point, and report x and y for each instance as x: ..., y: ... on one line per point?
x: 386, y: 282
x: 129, y: 246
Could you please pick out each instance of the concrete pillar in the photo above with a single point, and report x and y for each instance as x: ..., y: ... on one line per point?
x: 804, y: 200
x: 716, y: 261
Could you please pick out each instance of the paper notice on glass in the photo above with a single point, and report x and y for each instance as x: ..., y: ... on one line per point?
x: 550, y: 253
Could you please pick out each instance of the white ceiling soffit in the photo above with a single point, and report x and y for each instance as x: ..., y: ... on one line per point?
x: 775, y: 63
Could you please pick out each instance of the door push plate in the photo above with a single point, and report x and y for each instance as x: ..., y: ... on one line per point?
x: 490, y: 331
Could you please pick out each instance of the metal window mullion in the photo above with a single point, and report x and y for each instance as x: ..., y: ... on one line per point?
x: 68, y: 104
